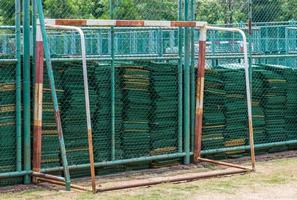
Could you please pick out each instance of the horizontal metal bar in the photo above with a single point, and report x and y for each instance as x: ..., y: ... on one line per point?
x: 180, y: 178
x: 8, y: 60
x: 242, y: 148
x: 125, y: 23
x: 118, y: 162
x: 116, y: 59
x: 237, y: 56
x: 170, y: 57
x: 14, y: 174
x: 176, y: 155
x: 47, y: 176
x: 62, y: 183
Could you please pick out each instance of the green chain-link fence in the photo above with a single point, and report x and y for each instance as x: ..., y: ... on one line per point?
x: 10, y: 102
x: 147, y: 84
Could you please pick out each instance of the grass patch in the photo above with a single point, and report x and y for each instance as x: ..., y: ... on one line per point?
x: 269, y: 174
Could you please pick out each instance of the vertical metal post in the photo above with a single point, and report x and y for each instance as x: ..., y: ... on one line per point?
x: 18, y: 86
x: 250, y: 37
x: 187, y: 109
x: 38, y: 67
x: 38, y: 95
x: 26, y: 90
x: 192, y: 18
x: 34, y: 36
x: 111, y: 9
x: 54, y: 94
x: 180, y: 80
x: 113, y: 87
x: 200, y: 94
x: 113, y: 97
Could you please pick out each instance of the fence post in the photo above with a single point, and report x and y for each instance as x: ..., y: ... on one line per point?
x: 54, y: 95
x: 180, y: 80
x: 187, y: 93
x: 192, y: 18
x: 18, y: 86
x: 26, y: 89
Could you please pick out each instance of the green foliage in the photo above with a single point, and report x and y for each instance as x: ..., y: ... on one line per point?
x: 74, y: 8
x: 222, y: 11
x: 213, y: 11
x: 267, y: 10
x: 126, y: 9
x: 7, y: 12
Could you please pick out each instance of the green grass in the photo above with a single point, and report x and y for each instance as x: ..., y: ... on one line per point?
x: 269, y: 174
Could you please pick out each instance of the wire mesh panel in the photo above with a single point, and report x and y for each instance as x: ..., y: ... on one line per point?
x: 127, y: 42
x: 274, y: 96
x: 10, y: 142
x: 8, y: 121
x: 139, y: 120
x: 225, y: 120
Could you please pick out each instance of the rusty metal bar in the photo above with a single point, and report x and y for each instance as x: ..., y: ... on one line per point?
x: 38, y: 95
x: 200, y: 94
x: 191, y: 177
x: 77, y: 187
x: 224, y: 164
x: 47, y: 176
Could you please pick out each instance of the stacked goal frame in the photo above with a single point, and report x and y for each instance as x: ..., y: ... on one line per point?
x: 39, y: 173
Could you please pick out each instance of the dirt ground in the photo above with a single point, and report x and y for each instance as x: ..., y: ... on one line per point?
x: 274, y: 179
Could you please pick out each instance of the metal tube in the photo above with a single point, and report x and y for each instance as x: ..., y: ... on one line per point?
x: 187, y: 94
x: 180, y: 80
x: 118, y: 58
x: 87, y: 98
x: 224, y: 164
x: 26, y: 89
x: 18, y: 86
x: 119, y: 162
x: 14, y: 174
x: 113, y: 96
x: 54, y: 94
x: 192, y: 18
x: 180, y: 178
x: 37, y: 130
x: 38, y: 100
x: 10, y: 61
x: 77, y: 187
x: 34, y: 36
x: 248, y: 89
x: 177, y: 155
x: 250, y: 37
x: 242, y: 148
x: 48, y: 176
x: 200, y: 94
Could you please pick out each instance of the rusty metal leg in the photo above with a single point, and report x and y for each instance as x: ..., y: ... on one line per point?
x: 38, y: 94
x: 200, y: 95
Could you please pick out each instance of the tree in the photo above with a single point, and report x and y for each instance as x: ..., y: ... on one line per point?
x: 75, y: 8
x: 222, y: 11
x: 7, y: 12
x: 267, y: 10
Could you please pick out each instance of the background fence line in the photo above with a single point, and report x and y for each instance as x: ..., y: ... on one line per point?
x: 273, y: 41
